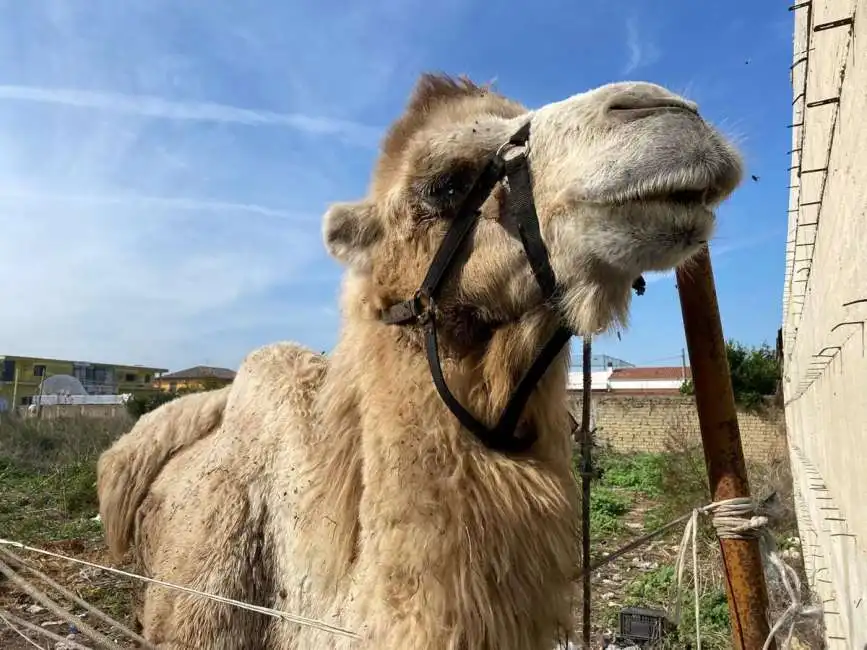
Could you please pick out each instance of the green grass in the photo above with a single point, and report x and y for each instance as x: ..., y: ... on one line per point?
x: 48, y: 476
x: 641, y: 472
x: 607, y: 508
x: 672, y: 483
x: 657, y: 588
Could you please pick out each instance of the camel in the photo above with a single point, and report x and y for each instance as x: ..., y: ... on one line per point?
x: 377, y: 489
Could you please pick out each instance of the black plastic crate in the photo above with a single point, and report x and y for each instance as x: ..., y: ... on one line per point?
x: 642, y: 624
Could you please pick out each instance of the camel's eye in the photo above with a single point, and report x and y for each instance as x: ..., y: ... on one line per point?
x: 445, y: 191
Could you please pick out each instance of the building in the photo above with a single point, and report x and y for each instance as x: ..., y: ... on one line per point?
x: 195, y: 378
x: 824, y: 296
x: 604, y: 361
x: 598, y: 380
x: 21, y: 377
x: 656, y: 380
x: 634, y: 380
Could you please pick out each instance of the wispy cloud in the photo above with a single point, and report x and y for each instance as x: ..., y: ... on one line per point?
x: 163, y: 195
x: 164, y: 169
x: 158, y: 107
x: 161, y: 202
x: 643, y: 52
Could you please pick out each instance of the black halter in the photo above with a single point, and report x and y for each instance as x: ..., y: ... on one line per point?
x: 421, y: 308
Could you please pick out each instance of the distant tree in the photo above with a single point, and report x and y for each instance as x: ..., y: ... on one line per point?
x: 755, y: 373
x: 139, y: 405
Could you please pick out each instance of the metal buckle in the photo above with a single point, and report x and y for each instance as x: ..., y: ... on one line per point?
x: 422, y: 306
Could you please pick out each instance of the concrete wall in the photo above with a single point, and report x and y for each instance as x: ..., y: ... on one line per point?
x: 72, y: 411
x: 639, y: 423
x: 824, y: 309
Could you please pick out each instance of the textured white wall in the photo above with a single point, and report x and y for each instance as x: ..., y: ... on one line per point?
x: 825, y: 372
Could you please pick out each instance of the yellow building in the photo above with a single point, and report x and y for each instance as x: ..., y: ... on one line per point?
x: 21, y: 377
x: 195, y: 378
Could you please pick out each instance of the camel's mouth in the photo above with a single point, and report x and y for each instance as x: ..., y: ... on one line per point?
x: 705, y: 198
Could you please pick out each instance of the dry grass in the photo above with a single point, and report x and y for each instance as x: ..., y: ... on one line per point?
x: 48, y: 499
x: 48, y: 475
x: 684, y: 486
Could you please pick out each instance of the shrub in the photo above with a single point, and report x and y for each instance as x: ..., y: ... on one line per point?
x: 755, y: 374
x: 640, y: 472
x: 138, y: 405
x: 606, y: 508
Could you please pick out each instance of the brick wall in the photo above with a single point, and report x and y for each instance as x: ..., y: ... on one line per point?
x: 647, y: 423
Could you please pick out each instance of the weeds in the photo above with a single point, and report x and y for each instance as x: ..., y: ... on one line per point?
x: 641, y: 472
x: 606, y: 509
x: 657, y: 588
x: 48, y: 475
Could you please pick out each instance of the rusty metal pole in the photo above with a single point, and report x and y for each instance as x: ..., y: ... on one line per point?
x: 724, y: 457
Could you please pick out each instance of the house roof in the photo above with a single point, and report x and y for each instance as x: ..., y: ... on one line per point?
x: 37, y: 360
x: 659, y: 373
x: 200, y: 372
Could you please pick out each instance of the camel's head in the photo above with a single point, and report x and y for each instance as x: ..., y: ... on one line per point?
x: 624, y: 179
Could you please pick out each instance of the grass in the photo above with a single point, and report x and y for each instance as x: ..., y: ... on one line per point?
x: 672, y: 483
x: 48, y: 475
x: 641, y: 472
x: 607, y: 507
x: 48, y: 493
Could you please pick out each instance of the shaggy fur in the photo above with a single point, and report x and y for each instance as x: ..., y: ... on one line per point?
x: 342, y: 488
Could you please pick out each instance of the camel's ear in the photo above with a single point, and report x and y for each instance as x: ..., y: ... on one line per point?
x: 350, y: 231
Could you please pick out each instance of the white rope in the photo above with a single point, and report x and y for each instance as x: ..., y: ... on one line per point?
x: 92, y: 633
x: 27, y: 625
x: 738, y: 518
x: 19, y: 632
x: 292, y: 618
x: 66, y: 593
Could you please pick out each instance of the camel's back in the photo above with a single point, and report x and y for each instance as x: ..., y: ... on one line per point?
x: 270, y: 405
x: 206, y: 518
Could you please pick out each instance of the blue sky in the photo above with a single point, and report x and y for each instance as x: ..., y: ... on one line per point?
x: 164, y: 165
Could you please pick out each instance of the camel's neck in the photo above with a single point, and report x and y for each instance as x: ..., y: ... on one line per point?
x: 463, y: 541
x: 482, y: 378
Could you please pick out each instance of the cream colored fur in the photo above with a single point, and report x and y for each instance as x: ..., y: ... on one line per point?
x: 343, y: 488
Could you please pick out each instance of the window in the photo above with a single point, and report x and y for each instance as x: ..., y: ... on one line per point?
x: 147, y: 379
x: 7, y: 370
x: 27, y: 400
x: 39, y: 370
x: 130, y: 377
x: 173, y: 386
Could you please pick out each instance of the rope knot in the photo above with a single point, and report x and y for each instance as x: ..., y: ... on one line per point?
x: 742, y: 518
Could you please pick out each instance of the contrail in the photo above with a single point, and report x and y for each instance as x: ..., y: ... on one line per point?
x: 160, y: 108
x: 175, y: 203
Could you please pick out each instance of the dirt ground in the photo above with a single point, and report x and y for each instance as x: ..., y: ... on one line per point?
x: 115, y: 594
x: 111, y: 593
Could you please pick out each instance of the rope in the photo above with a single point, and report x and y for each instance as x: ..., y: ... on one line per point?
x: 9, y: 555
x: 19, y: 632
x: 739, y: 518
x: 101, y: 640
x: 292, y: 618
x: 11, y: 620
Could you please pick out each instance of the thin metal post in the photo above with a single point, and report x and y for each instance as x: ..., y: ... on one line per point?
x: 724, y: 457
x: 586, y: 475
